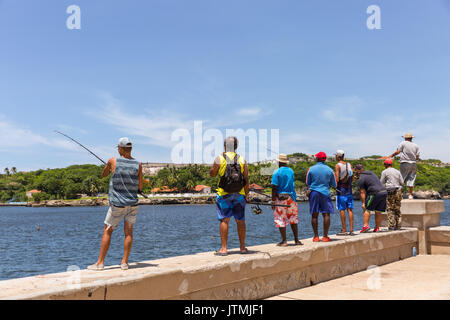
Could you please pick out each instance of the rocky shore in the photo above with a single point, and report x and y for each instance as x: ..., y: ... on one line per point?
x: 207, y: 199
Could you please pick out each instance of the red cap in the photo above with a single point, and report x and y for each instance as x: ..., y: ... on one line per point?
x: 321, y: 156
x: 388, y: 161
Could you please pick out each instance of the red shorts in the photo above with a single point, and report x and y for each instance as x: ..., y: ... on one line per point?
x: 285, y: 215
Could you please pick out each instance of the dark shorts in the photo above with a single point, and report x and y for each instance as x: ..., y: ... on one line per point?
x: 376, y: 202
x: 319, y: 202
x: 232, y: 204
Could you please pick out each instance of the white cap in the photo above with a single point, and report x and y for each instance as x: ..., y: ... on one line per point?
x: 124, y: 142
x: 340, y: 153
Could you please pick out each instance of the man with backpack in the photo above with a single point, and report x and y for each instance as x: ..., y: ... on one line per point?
x: 344, y: 195
x: 232, y: 192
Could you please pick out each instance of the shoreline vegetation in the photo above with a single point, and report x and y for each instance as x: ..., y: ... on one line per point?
x: 82, y: 185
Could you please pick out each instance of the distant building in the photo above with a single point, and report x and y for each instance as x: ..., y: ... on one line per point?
x: 202, y: 188
x: 163, y: 189
x: 255, y: 187
x: 30, y: 193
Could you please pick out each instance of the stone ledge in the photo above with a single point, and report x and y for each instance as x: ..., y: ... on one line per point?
x: 266, y: 271
x: 420, y: 207
x: 440, y: 234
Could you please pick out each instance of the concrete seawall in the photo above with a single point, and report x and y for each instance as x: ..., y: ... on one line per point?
x: 266, y: 271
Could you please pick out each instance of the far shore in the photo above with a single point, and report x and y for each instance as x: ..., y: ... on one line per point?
x: 183, y: 199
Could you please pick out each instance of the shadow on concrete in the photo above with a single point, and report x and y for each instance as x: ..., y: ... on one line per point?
x: 238, y: 252
x: 141, y: 265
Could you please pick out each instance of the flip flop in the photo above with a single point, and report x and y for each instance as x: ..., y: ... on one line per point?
x: 245, y: 252
x: 217, y: 253
x: 342, y: 233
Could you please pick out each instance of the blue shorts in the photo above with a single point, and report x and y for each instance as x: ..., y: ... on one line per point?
x: 319, y: 202
x: 232, y: 204
x: 344, y: 202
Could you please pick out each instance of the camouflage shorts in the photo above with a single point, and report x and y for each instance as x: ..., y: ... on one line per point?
x: 393, y: 209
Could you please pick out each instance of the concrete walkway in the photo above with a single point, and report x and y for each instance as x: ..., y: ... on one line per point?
x: 424, y: 277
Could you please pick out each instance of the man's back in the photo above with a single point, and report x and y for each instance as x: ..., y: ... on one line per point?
x: 223, y: 164
x: 284, y: 179
x: 392, y: 178
x: 320, y: 178
x: 370, y: 182
x: 409, y: 151
x: 124, y: 183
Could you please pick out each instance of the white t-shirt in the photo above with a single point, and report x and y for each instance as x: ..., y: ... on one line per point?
x: 408, y: 151
x: 392, y: 178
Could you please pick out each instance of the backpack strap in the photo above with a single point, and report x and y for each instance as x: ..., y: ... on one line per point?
x: 229, y: 161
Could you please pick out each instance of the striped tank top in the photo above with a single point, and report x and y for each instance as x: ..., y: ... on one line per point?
x: 124, y: 183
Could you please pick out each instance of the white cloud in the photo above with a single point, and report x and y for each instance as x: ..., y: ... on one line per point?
x: 380, y: 133
x: 14, y: 136
x: 343, y: 109
x: 156, y: 126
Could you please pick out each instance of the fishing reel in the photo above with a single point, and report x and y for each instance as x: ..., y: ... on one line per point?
x: 256, y: 209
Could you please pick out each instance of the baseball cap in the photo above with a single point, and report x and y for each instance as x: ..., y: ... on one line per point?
x: 321, y: 156
x: 359, y: 167
x: 340, y: 153
x: 388, y: 161
x: 124, y: 142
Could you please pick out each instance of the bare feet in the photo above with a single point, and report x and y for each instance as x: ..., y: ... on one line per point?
x: 244, y: 251
x: 282, y: 244
x: 298, y: 243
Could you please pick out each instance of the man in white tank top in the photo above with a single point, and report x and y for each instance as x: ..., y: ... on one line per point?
x: 344, y: 195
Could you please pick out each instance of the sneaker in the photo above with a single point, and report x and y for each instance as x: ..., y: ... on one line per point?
x: 316, y: 239
x: 124, y: 266
x: 96, y: 267
x: 326, y: 239
x: 351, y: 233
x: 365, y: 229
x: 410, y: 197
x: 376, y: 230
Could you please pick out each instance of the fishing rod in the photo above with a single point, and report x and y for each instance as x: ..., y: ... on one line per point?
x: 65, y: 135
x: 257, y: 210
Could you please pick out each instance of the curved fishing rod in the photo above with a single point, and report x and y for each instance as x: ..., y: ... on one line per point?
x: 81, y: 146
x: 65, y: 135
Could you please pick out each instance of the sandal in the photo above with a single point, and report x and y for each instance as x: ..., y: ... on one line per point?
x: 217, y: 253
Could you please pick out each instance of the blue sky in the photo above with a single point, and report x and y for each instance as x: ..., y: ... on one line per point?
x: 143, y: 69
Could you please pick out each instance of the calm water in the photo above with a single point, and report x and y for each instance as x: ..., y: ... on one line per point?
x: 71, y: 236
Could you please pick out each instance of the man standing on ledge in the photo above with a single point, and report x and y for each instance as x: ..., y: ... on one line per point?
x: 283, y: 192
x: 409, y: 154
x: 232, y: 192
x: 393, y: 181
x: 124, y: 185
x: 344, y: 193
x: 373, y: 197
x: 319, y: 179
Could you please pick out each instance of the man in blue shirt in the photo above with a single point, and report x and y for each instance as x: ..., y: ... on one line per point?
x: 319, y: 179
x: 283, y: 192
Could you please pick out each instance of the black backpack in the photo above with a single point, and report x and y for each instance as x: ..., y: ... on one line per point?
x: 233, y: 179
